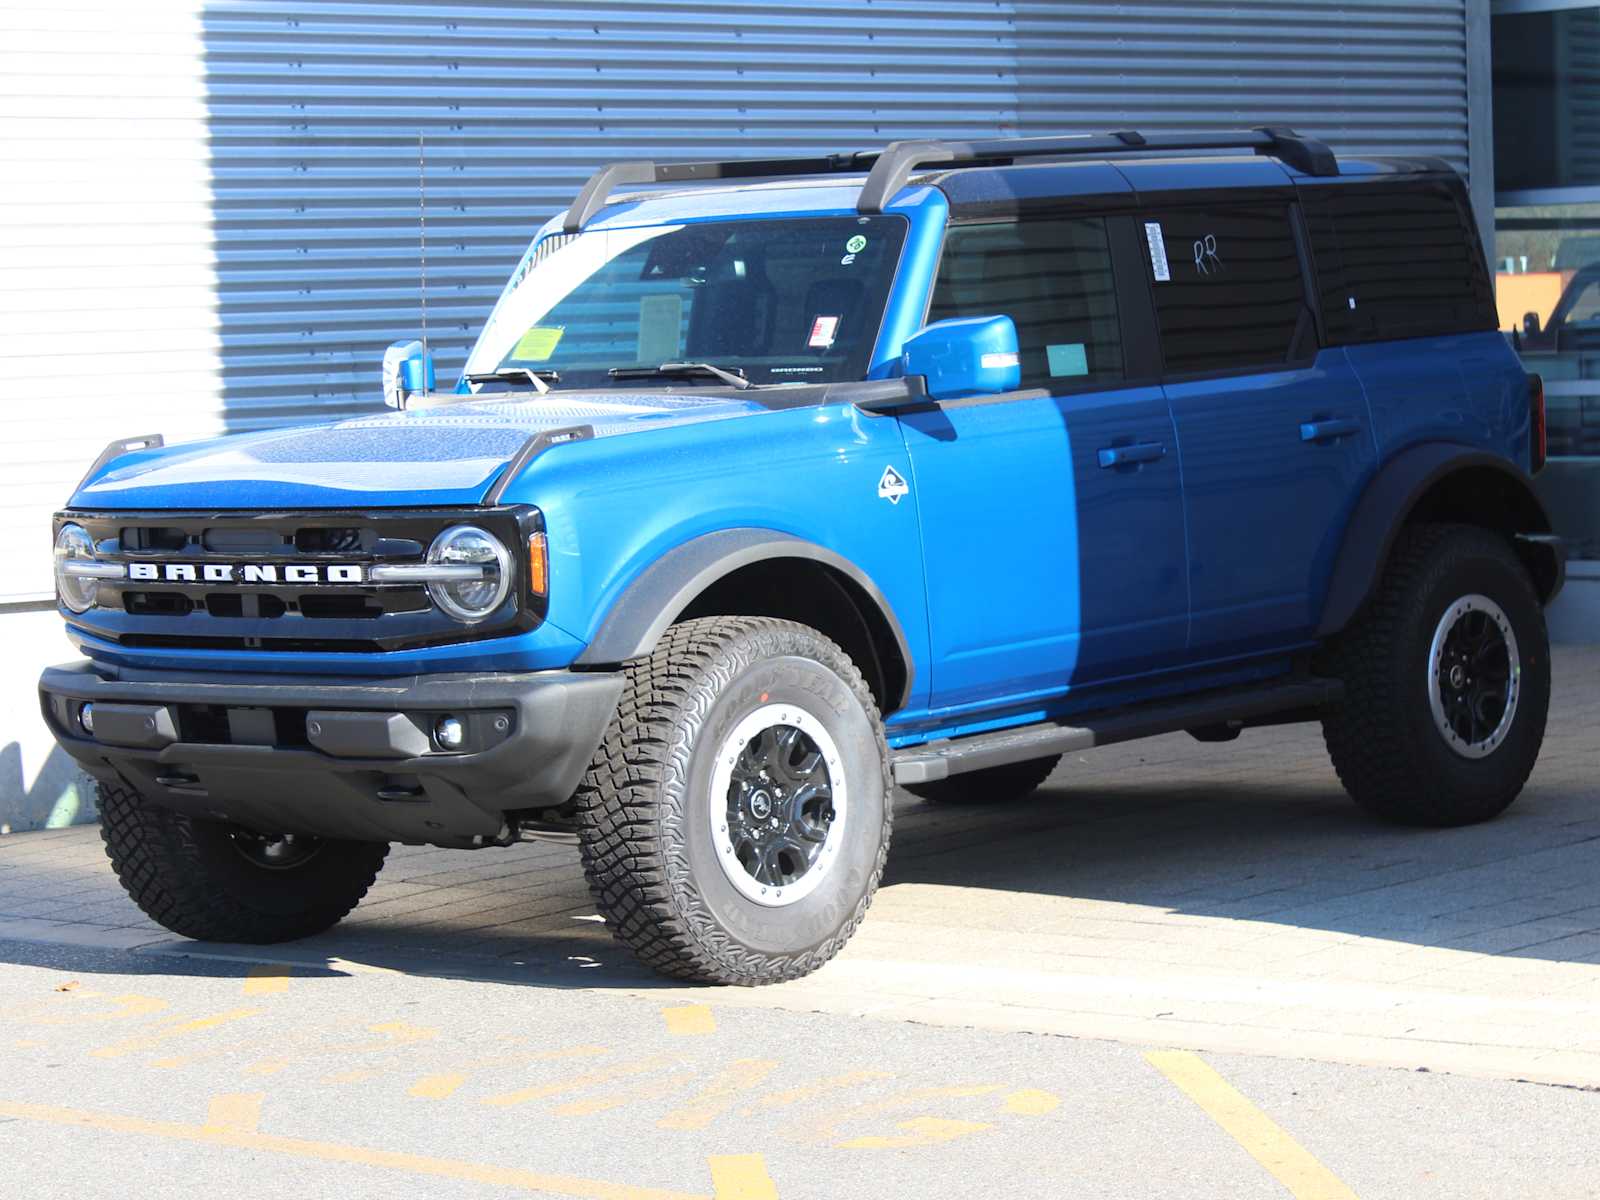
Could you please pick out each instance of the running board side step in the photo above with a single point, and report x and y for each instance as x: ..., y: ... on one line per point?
x: 1243, y: 705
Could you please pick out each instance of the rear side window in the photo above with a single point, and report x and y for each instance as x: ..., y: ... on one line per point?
x: 1397, y: 261
x: 1053, y: 278
x: 1228, y: 287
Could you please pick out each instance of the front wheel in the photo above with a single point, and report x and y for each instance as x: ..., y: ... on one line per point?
x: 222, y: 883
x: 1447, y: 682
x: 735, y: 820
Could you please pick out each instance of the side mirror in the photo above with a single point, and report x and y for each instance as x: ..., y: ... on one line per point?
x: 407, y: 368
x: 965, y: 356
x: 1530, y: 324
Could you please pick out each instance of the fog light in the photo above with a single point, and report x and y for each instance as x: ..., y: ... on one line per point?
x: 449, y: 733
x: 86, y: 719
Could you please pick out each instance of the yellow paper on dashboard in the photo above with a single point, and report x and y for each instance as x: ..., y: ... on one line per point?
x: 539, y: 343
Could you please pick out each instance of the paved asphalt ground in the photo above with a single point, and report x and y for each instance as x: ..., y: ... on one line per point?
x: 1179, y: 970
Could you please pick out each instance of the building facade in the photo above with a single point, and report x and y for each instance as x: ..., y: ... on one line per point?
x: 222, y: 211
x: 1546, y: 88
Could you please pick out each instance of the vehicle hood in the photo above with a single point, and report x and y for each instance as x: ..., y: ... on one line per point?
x: 446, y: 455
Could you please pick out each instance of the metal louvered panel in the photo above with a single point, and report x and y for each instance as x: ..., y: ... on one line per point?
x: 316, y: 110
x: 1366, y: 76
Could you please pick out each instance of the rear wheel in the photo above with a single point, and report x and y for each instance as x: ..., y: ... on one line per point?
x: 735, y: 819
x: 223, y: 883
x: 993, y: 785
x: 1447, y: 682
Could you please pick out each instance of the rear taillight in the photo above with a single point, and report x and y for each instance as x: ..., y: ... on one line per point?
x: 1538, y: 436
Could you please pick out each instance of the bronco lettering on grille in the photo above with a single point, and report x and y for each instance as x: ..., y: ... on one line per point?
x: 258, y: 573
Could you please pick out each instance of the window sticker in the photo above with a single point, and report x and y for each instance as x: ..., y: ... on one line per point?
x: 1158, y: 251
x: 856, y: 244
x: 823, y: 332
x: 660, y: 326
x: 538, y: 344
x: 1067, y: 359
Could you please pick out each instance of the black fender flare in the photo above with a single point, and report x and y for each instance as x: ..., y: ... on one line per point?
x: 663, y: 590
x: 1390, y: 499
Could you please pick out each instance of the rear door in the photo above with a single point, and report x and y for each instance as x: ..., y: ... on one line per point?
x: 1274, y: 432
x: 1052, y: 516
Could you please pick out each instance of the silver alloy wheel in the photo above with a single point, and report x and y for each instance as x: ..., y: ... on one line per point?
x: 1474, y: 676
x: 778, y: 805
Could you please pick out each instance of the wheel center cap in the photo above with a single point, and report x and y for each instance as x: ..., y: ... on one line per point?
x: 1458, y: 676
x: 760, y: 805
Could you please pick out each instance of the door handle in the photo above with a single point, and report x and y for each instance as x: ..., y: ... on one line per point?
x: 1326, y: 429
x: 1139, y: 452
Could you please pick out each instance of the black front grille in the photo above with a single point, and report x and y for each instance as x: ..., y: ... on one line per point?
x: 283, y: 615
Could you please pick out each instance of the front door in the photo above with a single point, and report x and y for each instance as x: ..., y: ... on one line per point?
x: 1052, y: 517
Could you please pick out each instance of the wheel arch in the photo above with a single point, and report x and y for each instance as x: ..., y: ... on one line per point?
x: 1439, y: 481
x: 761, y: 572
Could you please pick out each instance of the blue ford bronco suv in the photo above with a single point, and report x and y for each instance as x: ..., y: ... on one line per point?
x: 772, y: 485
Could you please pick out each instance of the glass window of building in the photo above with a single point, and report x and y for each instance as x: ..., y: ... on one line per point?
x: 1546, y: 252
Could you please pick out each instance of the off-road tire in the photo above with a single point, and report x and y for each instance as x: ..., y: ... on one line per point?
x: 1388, y: 750
x: 644, y: 816
x: 188, y: 875
x: 993, y: 785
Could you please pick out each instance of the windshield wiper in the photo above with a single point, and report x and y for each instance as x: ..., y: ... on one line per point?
x: 541, y: 380
x: 734, y: 378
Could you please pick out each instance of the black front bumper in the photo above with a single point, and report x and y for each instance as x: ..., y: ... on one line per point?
x: 335, y: 758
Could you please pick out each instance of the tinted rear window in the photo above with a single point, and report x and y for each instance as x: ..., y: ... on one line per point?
x: 1397, y: 261
x: 1233, y: 294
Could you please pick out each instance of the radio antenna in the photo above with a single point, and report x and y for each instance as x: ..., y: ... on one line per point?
x: 422, y: 231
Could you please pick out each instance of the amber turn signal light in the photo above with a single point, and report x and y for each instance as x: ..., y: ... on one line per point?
x: 538, y: 564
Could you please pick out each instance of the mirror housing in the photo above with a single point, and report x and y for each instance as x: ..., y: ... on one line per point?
x: 1530, y: 324
x: 964, y: 356
x: 407, y: 368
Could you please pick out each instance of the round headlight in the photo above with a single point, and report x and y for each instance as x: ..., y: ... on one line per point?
x: 470, y: 599
x: 76, y: 592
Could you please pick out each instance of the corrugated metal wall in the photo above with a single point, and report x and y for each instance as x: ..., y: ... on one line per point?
x: 216, y: 223
x: 1379, y: 76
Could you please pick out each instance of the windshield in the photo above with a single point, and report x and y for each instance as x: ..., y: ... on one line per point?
x: 777, y: 300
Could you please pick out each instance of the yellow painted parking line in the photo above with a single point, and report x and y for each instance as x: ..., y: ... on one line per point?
x: 1290, y: 1163
x: 151, y: 1040
x: 575, y: 1083
x: 919, y: 1132
x: 718, y: 1096
x: 741, y: 1177
x: 1031, y: 1102
x: 826, y: 1126
x: 851, y: 1080
x: 444, y: 1085
x: 267, y: 980
x: 240, y: 1112
x: 304, y: 1148
x: 436, y: 1087
x: 689, y: 1020
x: 653, y: 1089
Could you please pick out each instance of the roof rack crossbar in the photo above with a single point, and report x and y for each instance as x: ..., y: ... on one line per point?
x: 593, y: 195
x: 897, y: 162
x: 900, y: 160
